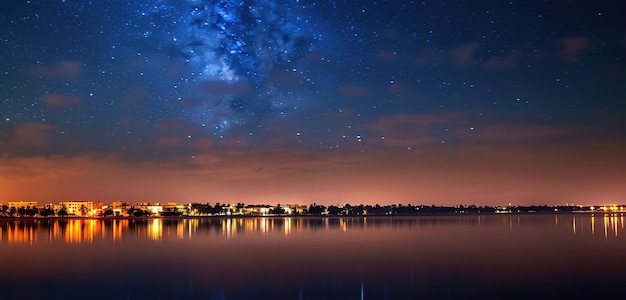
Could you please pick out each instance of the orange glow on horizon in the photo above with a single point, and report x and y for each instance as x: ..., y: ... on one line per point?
x: 469, y: 175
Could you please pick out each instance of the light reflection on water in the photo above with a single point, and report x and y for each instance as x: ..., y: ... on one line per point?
x: 424, y: 257
x: 74, y: 230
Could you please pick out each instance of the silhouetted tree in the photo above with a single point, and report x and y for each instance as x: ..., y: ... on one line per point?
x: 107, y: 212
x: 217, y: 209
x: 347, y: 209
x: 202, y: 209
x: 136, y: 212
x: 315, y: 209
x: 278, y: 210
x: 358, y: 210
x: 31, y: 211
x: 46, y: 212
x: 62, y: 212
x: 334, y: 210
x: 376, y: 210
x: 240, y: 207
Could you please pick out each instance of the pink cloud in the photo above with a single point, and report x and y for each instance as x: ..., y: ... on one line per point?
x: 385, y: 56
x: 503, y: 63
x: 202, y: 143
x: 405, y: 129
x: 464, y: 54
x: 169, y: 141
x: 175, y: 71
x: 397, y: 88
x: 60, y: 70
x: 287, y: 76
x: 512, y: 133
x: 32, y: 135
x: 315, y: 57
x: 125, y: 122
x: 61, y: 101
x: 407, y: 120
x: 136, y: 95
x: 420, y: 60
x: 177, y: 124
x: 572, y: 48
x: 234, y: 142
x: 353, y: 90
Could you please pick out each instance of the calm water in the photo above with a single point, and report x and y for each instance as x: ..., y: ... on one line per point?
x: 467, y: 257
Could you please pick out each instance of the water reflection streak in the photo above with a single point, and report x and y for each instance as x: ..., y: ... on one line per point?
x: 76, y: 231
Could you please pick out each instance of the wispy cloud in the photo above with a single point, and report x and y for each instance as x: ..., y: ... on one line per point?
x: 353, y: 90
x: 61, y: 101
x: 66, y: 69
x: 31, y: 135
x: 407, y: 129
x: 573, y: 48
x: 503, y: 62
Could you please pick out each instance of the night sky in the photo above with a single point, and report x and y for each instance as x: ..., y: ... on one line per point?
x: 264, y: 101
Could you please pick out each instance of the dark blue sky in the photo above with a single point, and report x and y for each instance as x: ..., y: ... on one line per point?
x: 278, y: 99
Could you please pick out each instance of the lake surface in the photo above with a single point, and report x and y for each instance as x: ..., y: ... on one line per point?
x: 424, y: 257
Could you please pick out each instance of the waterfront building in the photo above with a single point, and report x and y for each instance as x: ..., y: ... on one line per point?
x: 22, y: 204
x: 153, y: 209
x: 81, y: 208
x: 257, y: 210
x: 173, y: 206
x: 295, y: 209
x: 120, y: 208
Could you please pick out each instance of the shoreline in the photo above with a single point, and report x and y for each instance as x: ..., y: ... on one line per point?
x: 312, y: 216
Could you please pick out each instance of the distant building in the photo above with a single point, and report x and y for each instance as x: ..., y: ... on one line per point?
x: 98, y: 208
x: 22, y: 204
x: 153, y: 209
x: 81, y: 208
x: 49, y: 205
x: 173, y: 206
x: 257, y: 210
x: 120, y: 208
x: 295, y: 209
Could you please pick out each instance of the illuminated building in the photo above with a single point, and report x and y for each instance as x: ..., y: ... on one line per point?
x: 82, y: 208
x: 296, y: 208
x: 257, y: 210
x: 22, y: 204
x: 120, y: 208
x: 174, y: 206
x: 154, y: 209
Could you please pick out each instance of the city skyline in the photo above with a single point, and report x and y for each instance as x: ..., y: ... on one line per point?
x: 406, y: 102
x: 88, y: 208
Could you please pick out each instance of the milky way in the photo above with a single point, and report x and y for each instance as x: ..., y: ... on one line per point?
x: 236, y: 52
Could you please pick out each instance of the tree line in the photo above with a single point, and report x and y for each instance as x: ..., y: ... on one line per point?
x: 218, y: 209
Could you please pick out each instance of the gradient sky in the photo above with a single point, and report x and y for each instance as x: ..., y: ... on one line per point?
x: 264, y: 101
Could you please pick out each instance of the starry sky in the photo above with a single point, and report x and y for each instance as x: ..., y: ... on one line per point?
x: 265, y: 101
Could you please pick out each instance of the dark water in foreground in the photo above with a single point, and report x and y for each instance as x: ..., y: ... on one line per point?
x: 573, y: 256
